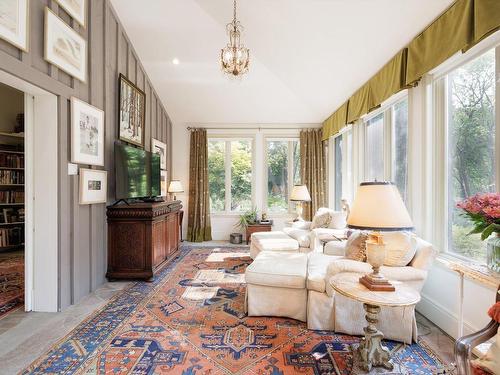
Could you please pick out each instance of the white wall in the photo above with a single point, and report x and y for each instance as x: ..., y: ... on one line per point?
x: 223, y: 224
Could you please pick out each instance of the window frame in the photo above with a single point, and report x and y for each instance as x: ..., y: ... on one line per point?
x: 439, y: 88
x: 265, y: 180
x: 228, y: 175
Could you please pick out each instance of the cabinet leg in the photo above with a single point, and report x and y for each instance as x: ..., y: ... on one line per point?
x: 371, y: 351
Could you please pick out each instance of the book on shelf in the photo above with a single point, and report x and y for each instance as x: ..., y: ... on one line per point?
x: 11, y: 160
x: 11, y: 237
x: 8, y: 177
x: 11, y: 196
x: 12, y: 215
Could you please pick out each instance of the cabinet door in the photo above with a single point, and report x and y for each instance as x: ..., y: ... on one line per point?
x: 159, y: 242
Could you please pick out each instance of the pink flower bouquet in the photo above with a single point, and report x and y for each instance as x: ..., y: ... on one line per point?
x: 484, y: 211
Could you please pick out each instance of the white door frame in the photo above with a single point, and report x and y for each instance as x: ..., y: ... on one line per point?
x: 41, y: 182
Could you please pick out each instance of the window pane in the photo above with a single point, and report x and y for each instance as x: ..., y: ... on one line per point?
x: 296, y: 163
x: 277, y: 176
x: 338, y: 171
x: 374, y: 148
x: 400, y: 162
x: 241, y: 175
x: 348, y: 156
x: 471, y: 146
x: 216, y: 175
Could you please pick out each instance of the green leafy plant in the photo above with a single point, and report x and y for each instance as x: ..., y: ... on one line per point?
x: 247, y: 218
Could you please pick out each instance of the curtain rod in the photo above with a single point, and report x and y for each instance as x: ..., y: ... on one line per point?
x: 189, y: 128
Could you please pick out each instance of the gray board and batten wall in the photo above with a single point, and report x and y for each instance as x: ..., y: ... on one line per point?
x: 82, y: 228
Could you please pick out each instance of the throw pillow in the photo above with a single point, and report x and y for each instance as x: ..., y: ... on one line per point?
x: 400, y: 248
x: 321, y: 220
x: 355, y: 247
x: 338, y: 220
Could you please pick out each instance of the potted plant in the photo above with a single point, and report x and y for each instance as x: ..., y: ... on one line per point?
x: 484, y: 212
x: 246, y: 218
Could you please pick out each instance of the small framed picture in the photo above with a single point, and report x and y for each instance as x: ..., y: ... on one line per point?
x: 131, y: 112
x: 64, y: 47
x: 87, y: 133
x: 93, y: 186
x: 14, y: 21
x: 158, y: 147
x: 75, y: 8
x: 163, y: 183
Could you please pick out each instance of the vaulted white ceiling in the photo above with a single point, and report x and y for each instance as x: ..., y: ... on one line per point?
x: 307, y: 56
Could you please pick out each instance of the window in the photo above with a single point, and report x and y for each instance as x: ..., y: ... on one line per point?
x: 230, y: 175
x: 338, y: 172
x: 374, y: 149
x: 400, y: 146
x: 283, y: 171
x: 471, y: 146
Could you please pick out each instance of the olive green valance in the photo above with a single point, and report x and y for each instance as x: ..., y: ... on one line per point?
x: 450, y: 33
x: 486, y: 18
x: 360, y: 103
x: 335, y: 122
x: 390, y: 79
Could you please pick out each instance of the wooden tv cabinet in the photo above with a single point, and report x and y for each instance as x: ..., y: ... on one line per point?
x: 141, y: 238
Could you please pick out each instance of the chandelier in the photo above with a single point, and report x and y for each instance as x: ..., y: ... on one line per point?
x: 235, y: 57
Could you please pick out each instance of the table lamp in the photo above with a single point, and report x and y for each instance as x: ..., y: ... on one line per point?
x: 175, y: 187
x: 378, y: 207
x: 300, y: 194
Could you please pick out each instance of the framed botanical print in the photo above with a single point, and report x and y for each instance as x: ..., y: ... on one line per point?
x: 159, y: 147
x: 132, y: 112
x: 75, y: 8
x: 14, y: 22
x: 64, y: 47
x: 87, y: 133
x: 93, y: 186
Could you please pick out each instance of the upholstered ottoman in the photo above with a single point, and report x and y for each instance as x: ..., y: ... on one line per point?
x: 272, y: 241
x: 276, y: 285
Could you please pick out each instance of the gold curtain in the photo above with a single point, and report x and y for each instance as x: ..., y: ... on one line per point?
x: 335, y: 122
x: 360, y: 103
x: 199, y: 228
x: 313, y: 169
x: 450, y: 33
x: 486, y: 18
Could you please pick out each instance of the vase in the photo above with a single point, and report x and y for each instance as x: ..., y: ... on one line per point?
x: 493, y: 253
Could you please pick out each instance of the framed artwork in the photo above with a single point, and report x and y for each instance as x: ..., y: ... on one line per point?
x: 93, y: 186
x: 87, y: 133
x: 75, y: 8
x: 132, y: 112
x: 64, y: 47
x: 158, y: 147
x: 163, y: 183
x: 14, y: 22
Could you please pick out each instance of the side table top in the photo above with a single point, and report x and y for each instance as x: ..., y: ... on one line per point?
x: 349, y: 286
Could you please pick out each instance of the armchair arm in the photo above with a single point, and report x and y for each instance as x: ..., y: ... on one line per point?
x: 316, y: 244
x: 301, y: 224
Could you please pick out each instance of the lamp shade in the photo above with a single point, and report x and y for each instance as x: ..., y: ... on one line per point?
x: 175, y: 187
x: 300, y: 194
x: 378, y: 206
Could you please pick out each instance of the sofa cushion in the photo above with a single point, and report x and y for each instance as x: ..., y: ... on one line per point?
x: 300, y: 235
x: 336, y: 248
x: 321, y: 220
x: 355, y: 247
x: 338, y: 219
x: 274, y: 241
x: 316, y: 270
x: 285, y: 270
x: 400, y: 248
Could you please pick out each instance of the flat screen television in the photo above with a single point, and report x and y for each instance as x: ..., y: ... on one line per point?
x: 137, y: 172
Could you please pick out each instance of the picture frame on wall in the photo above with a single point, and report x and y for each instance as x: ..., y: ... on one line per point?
x: 93, y: 186
x: 131, y: 112
x: 14, y: 22
x: 64, y: 47
x: 76, y: 9
x: 87, y: 133
x: 163, y: 183
x: 160, y: 148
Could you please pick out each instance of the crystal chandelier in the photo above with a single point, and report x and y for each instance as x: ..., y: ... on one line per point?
x: 235, y: 57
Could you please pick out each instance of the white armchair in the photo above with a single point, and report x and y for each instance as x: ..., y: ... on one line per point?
x: 330, y: 311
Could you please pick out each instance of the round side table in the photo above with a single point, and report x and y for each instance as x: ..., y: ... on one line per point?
x: 371, y: 351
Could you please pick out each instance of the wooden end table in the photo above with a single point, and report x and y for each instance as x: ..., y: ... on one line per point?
x: 254, y: 228
x: 370, y: 350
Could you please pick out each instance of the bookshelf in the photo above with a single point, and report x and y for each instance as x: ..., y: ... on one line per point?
x: 12, y: 212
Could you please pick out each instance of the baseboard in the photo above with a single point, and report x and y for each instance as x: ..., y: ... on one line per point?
x: 444, y: 318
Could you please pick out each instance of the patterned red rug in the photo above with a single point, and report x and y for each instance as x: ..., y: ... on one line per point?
x: 11, y: 282
x: 191, y: 320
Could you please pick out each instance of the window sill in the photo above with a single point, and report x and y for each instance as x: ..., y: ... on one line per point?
x: 472, y: 270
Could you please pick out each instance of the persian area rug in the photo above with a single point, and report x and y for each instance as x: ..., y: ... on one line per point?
x: 191, y: 320
x: 11, y: 282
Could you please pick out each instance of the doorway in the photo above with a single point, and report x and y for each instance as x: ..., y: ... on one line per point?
x: 28, y: 197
